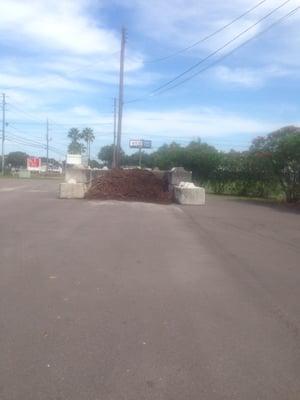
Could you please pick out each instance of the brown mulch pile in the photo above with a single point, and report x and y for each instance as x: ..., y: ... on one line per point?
x: 130, y: 184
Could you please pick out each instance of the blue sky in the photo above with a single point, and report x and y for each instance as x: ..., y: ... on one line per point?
x: 60, y: 59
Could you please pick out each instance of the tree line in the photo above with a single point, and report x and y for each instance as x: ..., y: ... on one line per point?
x: 270, y: 167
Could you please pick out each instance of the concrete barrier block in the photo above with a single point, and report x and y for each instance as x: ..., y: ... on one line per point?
x: 77, y: 175
x: 179, y: 174
x: 72, y: 190
x: 189, y: 194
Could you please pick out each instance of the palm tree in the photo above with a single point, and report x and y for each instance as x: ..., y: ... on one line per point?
x: 74, y: 134
x: 88, y: 136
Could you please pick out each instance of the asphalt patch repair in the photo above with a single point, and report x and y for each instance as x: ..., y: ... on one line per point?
x: 130, y: 185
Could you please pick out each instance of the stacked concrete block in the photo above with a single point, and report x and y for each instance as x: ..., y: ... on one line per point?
x: 177, y: 175
x: 77, y: 175
x: 76, y: 183
x: 187, y: 193
x: 72, y: 190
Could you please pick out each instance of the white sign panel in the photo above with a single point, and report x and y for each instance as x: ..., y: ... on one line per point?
x: 74, y: 159
x: 136, y: 144
x: 140, y: 144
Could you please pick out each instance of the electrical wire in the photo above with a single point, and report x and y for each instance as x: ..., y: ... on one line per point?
x: 231, y: 52
x: 10, y: 125
x: 160, y: 90
x: 223, y: 46
x: 27, y: 141
x: 26, y: 114
x: 207, y: 37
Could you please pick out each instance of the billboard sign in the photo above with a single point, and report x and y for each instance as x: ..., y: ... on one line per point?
x: 147, y: 144
x: 140, y: 144
x: 34, y: 164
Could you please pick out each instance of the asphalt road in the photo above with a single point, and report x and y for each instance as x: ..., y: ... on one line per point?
x: 115, y: 301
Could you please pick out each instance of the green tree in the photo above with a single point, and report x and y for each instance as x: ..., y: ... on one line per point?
x: 243, y: 174
x: 133, y: 159
x: 95, y: 164
x: 16, y: 159
x: 106, y: 155
x: 88, y: 136
x: 52, y: 162
x: 76, y: 148
x: 198, y: 157
x: 282, y: 150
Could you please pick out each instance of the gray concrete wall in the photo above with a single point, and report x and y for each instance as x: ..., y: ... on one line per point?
x: 72, y: 190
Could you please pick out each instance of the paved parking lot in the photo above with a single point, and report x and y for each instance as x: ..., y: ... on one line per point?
x: 114, y: 301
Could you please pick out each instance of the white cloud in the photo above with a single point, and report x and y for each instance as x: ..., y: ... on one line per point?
x: 65, y: 59
x: 174, y: 24
x: 55, y: 25
x: 46, y: 82
x: 208, y: 122
x: 239, y: 76
x: 180, y: 22
x: 250, y: 77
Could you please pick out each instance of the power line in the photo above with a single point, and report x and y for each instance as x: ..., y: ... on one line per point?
x: 81, y: 124
x: 160, y: 90
x: 28, y: 141
x: 207, y: 37
x: 21, y: 143
x: 16, y: 139
x: 232, y: 51
x: 223, y: 46
x: 27, y: 115
x: 21, y: 132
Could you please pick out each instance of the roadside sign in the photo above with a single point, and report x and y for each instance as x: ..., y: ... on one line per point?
x: 135, y: 144
x: 147, y: 144
x: 77, y: 159
x: 74, y: 159
x: 34, y: 164
x: 140, y: 144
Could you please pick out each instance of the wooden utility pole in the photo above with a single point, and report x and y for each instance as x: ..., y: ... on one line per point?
x: 121, y: 92
x: 3, y: 133
x: 140, y: 156
x: 47, y: 144
x: 115, y: 134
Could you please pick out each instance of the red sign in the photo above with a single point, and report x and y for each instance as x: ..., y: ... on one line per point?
x: 34, y: 163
